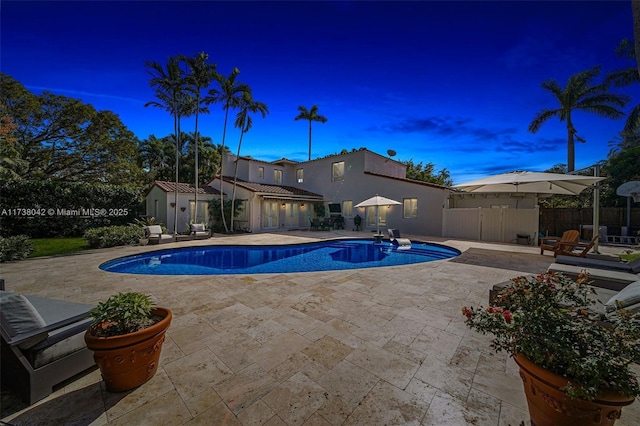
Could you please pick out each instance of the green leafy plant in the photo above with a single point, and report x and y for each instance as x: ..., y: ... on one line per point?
x: 111, y: 236
x: 547, y: 319
x: 122, y: 313
x: 15, y: 248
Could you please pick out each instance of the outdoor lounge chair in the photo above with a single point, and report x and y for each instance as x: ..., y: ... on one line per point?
x: 605, y: 278
x: 577, y: 249
x: 42, y: 343
x: 608, y: 301
x: 602, y: 262
x: 551, y: 243
x: 199, y: 232
x: 155, y: 235
x: 396, y: 238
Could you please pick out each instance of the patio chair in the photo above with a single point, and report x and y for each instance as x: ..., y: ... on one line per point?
x: 42, y: 343
x: 551, y: 243
x: 314, y: 224
x: 575, y: 248
x: 155, y: 235
x: 396, y: 238
x: 199, y: 232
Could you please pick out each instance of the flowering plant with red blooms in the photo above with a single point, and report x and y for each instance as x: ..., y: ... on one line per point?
x: 548, y: 319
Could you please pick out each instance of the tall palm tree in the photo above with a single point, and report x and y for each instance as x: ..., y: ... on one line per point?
x: 229, y: 94
x: 169, y: 89
x: 311, y: 115
x: 200, y: 75
x: 627, y: 77
x: 582, y: 95
x: 244, y: 122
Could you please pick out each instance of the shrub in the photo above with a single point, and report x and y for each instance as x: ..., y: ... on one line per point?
x: 15, y: 248
x: 111, y: 236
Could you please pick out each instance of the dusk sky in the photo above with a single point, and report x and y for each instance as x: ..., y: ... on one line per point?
x: 453, y: 83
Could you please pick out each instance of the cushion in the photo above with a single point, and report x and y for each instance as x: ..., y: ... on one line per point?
x: 635, y: 266
x: 197, y: 227
x: 18, y: 315
x: 626, y: 298
x: 154, y: 230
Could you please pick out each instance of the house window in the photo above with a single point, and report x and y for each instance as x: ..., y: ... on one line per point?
x: 337, y: 171
x: 300, y: 175
x: 203, y: 212
x: 277, y: 176
x: 410, y: 207
x: 261, y: 172
x: 347, y: 208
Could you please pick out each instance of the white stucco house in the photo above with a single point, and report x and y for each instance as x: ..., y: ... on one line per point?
x: 161, y: 203
x: 280, y: 194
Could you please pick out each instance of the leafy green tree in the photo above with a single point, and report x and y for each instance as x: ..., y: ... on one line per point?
x: 199, y: 77
x: 580, y: 94
x: 63, y: 139
x: 171, y: 93
x: 425, y: 173
x: 622, y: 167
x: 244, y: 122
x: 311, y: 115
x: 635, y: 8
x: 229, y: 93
x: 156, y: 158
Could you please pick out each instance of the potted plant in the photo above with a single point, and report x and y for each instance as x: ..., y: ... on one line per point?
x: 126, y: 336
x: 574, y: 366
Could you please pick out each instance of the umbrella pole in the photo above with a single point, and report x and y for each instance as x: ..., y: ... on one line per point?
x: 378, y: 219
x: 596, y: 208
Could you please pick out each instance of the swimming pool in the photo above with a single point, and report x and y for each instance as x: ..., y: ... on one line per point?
x: 308, y: 257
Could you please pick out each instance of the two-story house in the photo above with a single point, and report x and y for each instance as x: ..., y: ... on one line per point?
x: 281, y: 194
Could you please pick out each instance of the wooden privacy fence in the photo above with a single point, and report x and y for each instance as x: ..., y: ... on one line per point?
x: 554, y: 221
x: 492, y: 224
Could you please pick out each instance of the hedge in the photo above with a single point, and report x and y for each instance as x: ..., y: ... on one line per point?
x: 111, y: 236
x: 15, y: 248
x: 42, y: 209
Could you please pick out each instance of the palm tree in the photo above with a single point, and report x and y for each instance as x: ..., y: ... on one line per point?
x: 635, y: 8
x: 200, y: 75
x: 229, y: 94
x: 627, y: 77
x: 311, y: 115
x: 579, y: 94
x: 244, y: 122
x: 170, y: 91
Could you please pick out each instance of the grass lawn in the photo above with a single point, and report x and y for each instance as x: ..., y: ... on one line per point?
x: 630, y: 257
x: 51, y: 246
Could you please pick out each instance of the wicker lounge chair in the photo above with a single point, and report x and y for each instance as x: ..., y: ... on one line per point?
x: 155, y: 235
x: 199, y: 232
x: 42, y: 343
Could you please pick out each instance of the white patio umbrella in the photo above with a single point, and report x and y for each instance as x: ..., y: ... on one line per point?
x: 531, y: 182
x: 377, y: 201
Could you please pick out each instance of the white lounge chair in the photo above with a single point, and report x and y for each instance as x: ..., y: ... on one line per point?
x: 42, y: 343
x: 395, y: 238
x: 155, y: 235
x: 199, y: 232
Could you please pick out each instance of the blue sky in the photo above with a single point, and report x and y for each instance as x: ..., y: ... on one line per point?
x: 453, y: 83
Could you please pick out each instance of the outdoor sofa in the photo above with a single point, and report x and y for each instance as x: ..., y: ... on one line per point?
x: 42, y: 343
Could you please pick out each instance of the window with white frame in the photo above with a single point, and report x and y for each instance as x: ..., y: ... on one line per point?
x: 203, y: 212
x: 277, y: 176
x: 347, y: 208
x: 300, y: 175
x: 410, y: 208
x: 261, y: 172
x: 337, y: 171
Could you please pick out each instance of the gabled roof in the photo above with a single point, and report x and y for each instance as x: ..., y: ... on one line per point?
x: 285, y: 161
x: 276, y: 191
x: 185, y: 188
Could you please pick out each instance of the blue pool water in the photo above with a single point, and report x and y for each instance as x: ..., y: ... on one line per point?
x: 319, y: 256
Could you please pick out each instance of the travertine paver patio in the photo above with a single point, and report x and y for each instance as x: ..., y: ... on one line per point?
x: 375, y: 346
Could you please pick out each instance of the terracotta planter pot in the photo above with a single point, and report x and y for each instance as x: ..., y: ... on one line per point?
x: 548, y: 405
x: 130, y: 360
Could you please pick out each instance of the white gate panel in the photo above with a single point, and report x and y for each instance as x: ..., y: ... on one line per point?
x: 521, y: 221
x: 461, y: 223
x: 491, y: 224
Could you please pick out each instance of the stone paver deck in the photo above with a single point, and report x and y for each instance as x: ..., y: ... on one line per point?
x: 379, y: 346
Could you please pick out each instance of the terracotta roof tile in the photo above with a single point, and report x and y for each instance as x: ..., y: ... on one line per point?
x: 185, y: 188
